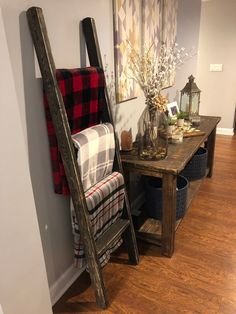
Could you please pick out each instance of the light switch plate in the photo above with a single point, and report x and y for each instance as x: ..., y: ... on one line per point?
x: 1, y: 311
x: 216, y: 67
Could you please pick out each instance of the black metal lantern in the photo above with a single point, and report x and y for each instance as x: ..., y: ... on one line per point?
x: 190, y: 98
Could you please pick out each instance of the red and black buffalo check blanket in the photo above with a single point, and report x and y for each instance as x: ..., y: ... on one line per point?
x: 83, y: 94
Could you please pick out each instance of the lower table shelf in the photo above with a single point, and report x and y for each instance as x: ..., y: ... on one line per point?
x: 150, y: 229
x: 192, y: 190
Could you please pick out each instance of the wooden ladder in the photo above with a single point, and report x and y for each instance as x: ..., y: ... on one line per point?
x: 124, y: 226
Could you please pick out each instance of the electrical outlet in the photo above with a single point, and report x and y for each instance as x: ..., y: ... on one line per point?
x: 216, y: 67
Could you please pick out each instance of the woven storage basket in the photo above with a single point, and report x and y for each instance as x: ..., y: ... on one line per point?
x: 196, y: 167
x: 154, y: 197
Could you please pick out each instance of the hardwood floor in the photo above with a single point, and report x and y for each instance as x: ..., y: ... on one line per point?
x: 199, y: 278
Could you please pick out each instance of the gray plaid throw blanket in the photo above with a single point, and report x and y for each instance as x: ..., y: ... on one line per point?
x: 104, y: 190
x: 96, y: 151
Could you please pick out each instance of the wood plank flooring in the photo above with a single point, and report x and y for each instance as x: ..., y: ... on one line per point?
x: 199, y: 278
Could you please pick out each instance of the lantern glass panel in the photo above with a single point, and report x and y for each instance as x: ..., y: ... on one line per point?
x: 184, y: 105
x: 195, y: 103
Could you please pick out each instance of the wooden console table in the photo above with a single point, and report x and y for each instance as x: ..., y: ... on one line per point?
x: 168, y: 169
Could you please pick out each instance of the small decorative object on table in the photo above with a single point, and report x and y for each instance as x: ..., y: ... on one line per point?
x: 173, y: 109
x: 152, y: 73
x: 171, y: 125
x: 177, y: 136
x: 190, y: 100
x: 180, y: 118
x: 195, y: 119
x: 126, y: 140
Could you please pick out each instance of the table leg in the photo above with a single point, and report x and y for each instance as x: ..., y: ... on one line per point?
x: 210, y: 145
x: 169, y: 213
x: 127, y: 175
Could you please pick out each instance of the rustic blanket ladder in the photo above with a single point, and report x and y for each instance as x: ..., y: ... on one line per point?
x: 93, y: 249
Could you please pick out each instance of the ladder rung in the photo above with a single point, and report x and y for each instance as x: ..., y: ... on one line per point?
x: 112, y: 234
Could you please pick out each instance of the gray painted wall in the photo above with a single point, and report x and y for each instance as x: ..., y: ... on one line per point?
x: 188, y: 24
x: 217, y: 45
x: 23, y: 280
x: 62, y: 19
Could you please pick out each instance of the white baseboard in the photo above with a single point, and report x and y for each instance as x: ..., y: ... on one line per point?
x: 58, y: 288
x: 225, y: 131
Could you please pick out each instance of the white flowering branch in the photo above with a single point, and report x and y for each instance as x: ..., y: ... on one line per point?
x: 153, y: 72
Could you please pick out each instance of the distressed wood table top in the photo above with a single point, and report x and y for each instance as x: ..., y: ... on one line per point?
x: 178, y: 154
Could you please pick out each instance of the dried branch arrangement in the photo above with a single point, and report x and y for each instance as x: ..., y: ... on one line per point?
x: 153, y: 72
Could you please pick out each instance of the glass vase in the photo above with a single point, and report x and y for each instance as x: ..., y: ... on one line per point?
x: 152, y: 134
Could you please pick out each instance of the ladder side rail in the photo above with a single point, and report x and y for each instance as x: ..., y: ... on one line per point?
x: 43, y: 50
x: 95, y: 59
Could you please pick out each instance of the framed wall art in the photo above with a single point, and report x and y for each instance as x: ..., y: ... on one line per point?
x: 152, y: 23
x: 140, y: 23
x: 169, y: 21
x: 127, y: 28
x: 169, y: 27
